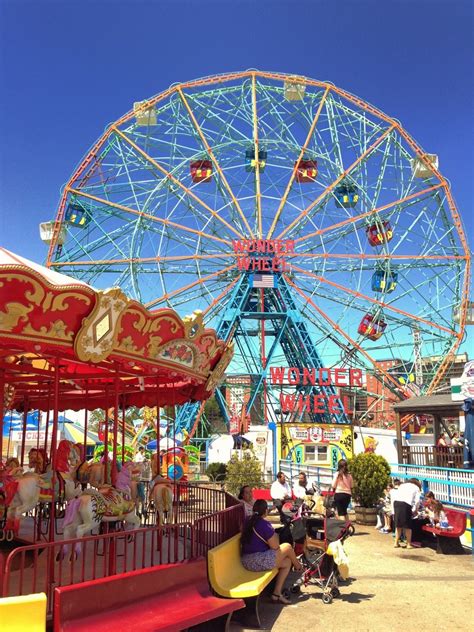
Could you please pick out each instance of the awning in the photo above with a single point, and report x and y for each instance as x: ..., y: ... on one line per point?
x: 97, y: 340
x: 75, y: 433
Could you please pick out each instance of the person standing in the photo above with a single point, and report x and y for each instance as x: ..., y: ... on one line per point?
x: 342, y: 485
x: 406, y: 501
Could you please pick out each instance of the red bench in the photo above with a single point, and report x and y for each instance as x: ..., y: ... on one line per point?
x: 262, y: 494
x: 447, y: 540
x: 166, y: 598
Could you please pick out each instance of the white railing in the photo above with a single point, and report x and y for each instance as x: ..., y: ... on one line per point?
x: 321, y: 476
x: 449, y: 485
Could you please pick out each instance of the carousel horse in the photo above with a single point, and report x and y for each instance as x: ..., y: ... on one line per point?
x: 161, y: 495
x: 92, y: 507
x: 22, y: 492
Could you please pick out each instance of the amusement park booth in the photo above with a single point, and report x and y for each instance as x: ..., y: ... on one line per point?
x: 440, y: 408
x: 315, y: 444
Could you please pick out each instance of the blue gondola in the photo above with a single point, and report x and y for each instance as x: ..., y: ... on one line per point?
x: 77, y: 216
x: 250, y: 162
x: 384, y: 281
x: 347, y: 195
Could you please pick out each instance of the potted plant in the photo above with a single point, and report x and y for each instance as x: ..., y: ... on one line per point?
x: 371, y: 475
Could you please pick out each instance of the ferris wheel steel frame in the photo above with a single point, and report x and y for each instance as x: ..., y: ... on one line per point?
x: 223, y: 216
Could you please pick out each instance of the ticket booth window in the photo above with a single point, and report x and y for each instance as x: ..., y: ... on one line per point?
x: 315, y: 453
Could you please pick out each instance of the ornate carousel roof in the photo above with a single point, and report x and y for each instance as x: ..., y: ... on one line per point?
x: 96, y: 338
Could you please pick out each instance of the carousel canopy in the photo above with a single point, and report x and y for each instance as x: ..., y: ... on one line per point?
x: 99, y: 344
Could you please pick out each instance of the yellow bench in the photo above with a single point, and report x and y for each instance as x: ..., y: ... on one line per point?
x: 228, y: 578
x: 18, y: 614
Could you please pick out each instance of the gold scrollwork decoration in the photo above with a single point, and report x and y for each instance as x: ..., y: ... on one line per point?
x: 218, y: 373
x: 15, y: 312
x: 57, y: 330
x: 98, y: 335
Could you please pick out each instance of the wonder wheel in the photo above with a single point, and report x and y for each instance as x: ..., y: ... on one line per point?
x: 307, y: 225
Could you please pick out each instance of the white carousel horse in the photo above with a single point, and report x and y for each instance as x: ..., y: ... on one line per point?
x: 24, y: 491
x: 161, y: 494
x: 92, y: 507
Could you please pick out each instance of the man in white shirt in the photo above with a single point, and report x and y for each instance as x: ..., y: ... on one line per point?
x: 300, y: 487
x: 280, y: 491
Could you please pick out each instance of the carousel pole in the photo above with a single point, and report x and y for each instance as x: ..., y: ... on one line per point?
x: 2, y: 410
x: 116, y: 416
x: 48, y: 415
x: 86, y: 421
x: 106, y: 436
x: 23, y: 438
x: 123, y: 430
x: 54, y: 438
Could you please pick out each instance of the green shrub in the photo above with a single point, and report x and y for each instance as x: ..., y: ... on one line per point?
x: 246, y: 470
x: 371, y: 474
x: 216, y: 471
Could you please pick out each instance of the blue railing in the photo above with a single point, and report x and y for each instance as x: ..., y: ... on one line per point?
x: 449, y: 485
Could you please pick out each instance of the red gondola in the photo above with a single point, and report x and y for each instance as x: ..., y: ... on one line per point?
x: 379, y: 233
x: 306, y: 170
x: 371, y: 327
x: 201, y: 170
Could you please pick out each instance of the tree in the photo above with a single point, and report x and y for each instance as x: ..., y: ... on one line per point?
x: 243, y: 469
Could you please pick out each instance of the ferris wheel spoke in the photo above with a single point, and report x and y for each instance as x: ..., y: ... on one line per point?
x: 336, y: 328
x: 295, y: 167
x: 198, y: 282
x: 258, y: 195
x: 129, y: 260
x: 176, y: 181
x: 386, y: 306
x: 354, y: 219
x: 215, y: 162
x: 148, y: 216
x: 331, y: 187
x: 219, y: 298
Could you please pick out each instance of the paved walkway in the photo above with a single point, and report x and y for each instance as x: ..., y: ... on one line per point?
x: 393, y: 590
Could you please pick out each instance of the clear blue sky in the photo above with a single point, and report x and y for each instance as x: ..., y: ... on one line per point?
x: 69, y: 68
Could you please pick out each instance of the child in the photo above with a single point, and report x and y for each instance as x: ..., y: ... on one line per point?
x: 437, y: 515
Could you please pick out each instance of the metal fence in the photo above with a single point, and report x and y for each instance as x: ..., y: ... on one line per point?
x: 205, y: 517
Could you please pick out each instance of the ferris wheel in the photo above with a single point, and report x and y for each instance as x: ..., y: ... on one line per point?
x: 307, y: 225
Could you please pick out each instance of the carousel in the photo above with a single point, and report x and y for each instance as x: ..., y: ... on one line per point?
x: 66, y: 346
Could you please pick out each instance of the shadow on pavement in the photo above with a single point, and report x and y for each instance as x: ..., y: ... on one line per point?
x: 355, y: 597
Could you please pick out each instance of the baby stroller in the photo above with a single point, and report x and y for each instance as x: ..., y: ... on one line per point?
x: 319, y: 548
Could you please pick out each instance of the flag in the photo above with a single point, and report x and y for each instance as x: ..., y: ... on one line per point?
x: 263, y: 280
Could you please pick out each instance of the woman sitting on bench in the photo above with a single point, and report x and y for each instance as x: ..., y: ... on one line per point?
x: 262, y: 551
